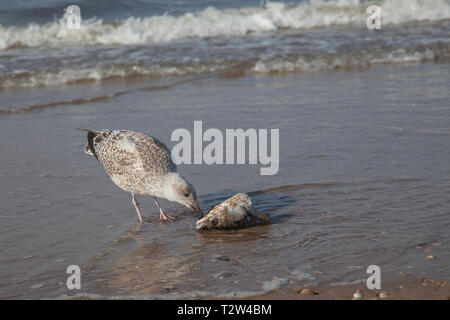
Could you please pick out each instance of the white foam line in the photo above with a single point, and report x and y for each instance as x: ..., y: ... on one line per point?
x: 212, y: 22
x: 267, y: 287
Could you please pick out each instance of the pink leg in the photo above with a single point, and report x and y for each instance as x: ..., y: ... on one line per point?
x: 136, y: 205
x: 162, y: 215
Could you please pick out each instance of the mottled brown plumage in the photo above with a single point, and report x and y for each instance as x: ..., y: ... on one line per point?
x: 140, y: 164
x: 133, y: 160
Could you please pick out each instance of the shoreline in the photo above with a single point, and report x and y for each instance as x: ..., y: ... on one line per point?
x: 418, y: 289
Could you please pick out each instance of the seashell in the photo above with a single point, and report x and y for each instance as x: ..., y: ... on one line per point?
x: 308, y: 292
x: 235, y: 212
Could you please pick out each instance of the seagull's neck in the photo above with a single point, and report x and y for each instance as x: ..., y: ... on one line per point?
x: 162, y: 186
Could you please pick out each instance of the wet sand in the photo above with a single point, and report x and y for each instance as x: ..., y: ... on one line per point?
x: 420, y: 289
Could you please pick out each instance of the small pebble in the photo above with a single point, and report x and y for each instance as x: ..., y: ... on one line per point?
x: 308, y: 292
x: 383, y: 295
x: 357, y: 295
x: 430, y: 257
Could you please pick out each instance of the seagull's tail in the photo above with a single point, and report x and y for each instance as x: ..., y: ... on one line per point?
x: 89, y: 147
x: 89, y: 130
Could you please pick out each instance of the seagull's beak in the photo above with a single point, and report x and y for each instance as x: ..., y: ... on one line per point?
x: 197, y: 210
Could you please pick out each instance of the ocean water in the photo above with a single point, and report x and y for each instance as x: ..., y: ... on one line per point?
x: 364, y: 124
x: 148, y: 39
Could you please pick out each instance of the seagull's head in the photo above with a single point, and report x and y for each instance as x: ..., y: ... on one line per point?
x: 182, y: 191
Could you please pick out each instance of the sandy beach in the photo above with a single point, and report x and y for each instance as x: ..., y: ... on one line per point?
x: 420, y: 289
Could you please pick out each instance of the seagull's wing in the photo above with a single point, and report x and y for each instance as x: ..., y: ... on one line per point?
x: 154, y: 156
x: 122, y: 152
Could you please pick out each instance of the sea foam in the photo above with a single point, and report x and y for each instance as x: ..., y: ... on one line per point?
x: 212, y: 22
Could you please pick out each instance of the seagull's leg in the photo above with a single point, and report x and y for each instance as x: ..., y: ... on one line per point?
x: 162, y: 215
x: 136, y: 205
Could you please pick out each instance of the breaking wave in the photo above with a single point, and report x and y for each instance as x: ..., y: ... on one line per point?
x: 233, y: 42
x: 212, y: 22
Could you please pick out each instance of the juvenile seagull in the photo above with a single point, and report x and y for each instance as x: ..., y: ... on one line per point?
x: 141, y: 165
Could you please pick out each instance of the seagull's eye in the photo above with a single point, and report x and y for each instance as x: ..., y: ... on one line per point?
x: 186, y: 194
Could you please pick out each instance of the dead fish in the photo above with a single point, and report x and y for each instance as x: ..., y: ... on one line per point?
x: 235, y: 212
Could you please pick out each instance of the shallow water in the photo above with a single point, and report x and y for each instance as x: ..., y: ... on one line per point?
x: 364, y: 177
